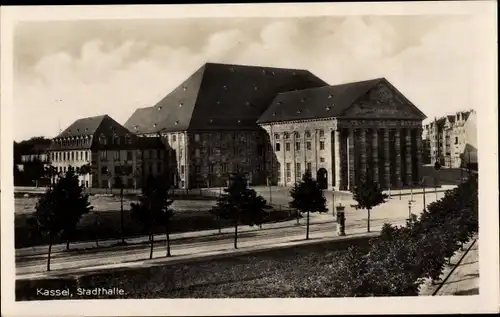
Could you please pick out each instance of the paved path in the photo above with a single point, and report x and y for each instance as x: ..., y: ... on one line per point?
x: 464, y: 280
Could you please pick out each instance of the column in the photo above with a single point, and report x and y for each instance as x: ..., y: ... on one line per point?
x: 350, y: 158
x: 375, y: 164
x: 418, y: 155
x: 337, y: 159
x: 294, y: 163
x: 387, y: 160
x: 397, y: 167
x: 362, y: 155
x: 408, y: 157
x: 283, y: 164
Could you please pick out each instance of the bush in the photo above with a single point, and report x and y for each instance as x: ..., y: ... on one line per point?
x: 402, y: 257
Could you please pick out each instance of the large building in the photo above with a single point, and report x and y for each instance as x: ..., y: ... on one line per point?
x: 275, y: 123
x: 109, y: 149
x: 452, y: 139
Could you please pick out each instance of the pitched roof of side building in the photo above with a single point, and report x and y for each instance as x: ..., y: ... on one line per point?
x: 220, y: 97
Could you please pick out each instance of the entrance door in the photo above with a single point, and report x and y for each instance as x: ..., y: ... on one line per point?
x: 322, y: 178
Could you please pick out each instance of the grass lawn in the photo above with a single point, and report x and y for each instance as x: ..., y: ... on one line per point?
x: 104, y: 223
x: 300, y: 271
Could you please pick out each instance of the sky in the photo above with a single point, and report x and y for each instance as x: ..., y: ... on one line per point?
x: 65, y: 70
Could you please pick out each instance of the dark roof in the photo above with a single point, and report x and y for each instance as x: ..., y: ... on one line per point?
x: 323, y: 102
x: 220, y: 96
x: 82, y: 127
x: 93, y: 127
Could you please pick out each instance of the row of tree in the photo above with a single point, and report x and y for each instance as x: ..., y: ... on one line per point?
x: 402, y: 258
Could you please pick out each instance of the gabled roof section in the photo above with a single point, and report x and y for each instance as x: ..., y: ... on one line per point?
x: 82, y: 127
x: 357, y: 99
x: 173, y: 112
x: 316, y: 103
x: 220, y: 96
x: 89, y: 127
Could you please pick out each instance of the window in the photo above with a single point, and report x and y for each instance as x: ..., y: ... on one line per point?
x: 321, y: 133
x: 210, y: 168
x: 104, y: 170
x: 197, y: 152
x: 158, y: 167
x: 181, y: 152
x: 276, y: 136
x: 297, y: 135
x: 287, y: 146
x: 286, y: 135
x: 182, y: 184
x: 104, y: 155
x: 174, y: 138
x: 308, y: 146
x: 297, y: 170
x: 209, y: 150
x: 116, y: 140
x: 456, y: 140
x: 129, y: 155
x: 197, y: 169
x: 103, y: 140
x: 117, y: 155
x: 307, y: 134
x: 297, y: 146
x: 118, y: 170
x: 128, y: 140
x: 224, y: 167
x: 309, y: 166
x: 182, y: 169
x: 196, y: 137
x: 86, y: 156
x: 288, y: 172
x: 278, y: 147
x: 72, y: 156
x: 322, y: 159
x: 321, y: 145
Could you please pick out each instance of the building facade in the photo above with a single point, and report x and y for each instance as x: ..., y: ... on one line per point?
x: 451, y: 138
x: 274, y: 124
x: 345, y: 134
x: 108, y: 150
x: 208, y: 123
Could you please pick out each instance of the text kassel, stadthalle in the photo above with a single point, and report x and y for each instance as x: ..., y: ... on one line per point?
x: 63, y: 292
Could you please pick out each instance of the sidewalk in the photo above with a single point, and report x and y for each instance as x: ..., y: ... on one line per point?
x: 459, y: 278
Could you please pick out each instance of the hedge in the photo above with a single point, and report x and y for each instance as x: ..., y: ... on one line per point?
x: 401, y: 258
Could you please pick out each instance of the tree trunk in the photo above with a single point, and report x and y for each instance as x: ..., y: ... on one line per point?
x: 167, y: 231
x: 151, y: 250
x: 121, y: 215
x: 50, y: 250
x: 236, y: 235
x: 307, y: 230
x: 368, y: 224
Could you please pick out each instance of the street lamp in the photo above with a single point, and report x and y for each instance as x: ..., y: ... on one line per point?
x: 423, y: 188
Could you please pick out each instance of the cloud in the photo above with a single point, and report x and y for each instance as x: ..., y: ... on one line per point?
x: 429, y: 64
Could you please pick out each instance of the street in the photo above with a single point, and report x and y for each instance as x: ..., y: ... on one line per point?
x: 31, y: 262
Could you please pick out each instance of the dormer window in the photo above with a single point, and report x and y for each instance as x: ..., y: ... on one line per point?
x: 302, y: 100
x: 180, y: 105
x: 159, y: 108
x: 273, y: 73
x: 210, y: 121
x: 298, y: 111
x: 279, y: 102
x: 247, y: 103
x: 225, y: 87
x: 135, y: 127
x: 217, y: 102
x: 274, y: 114
x: 327, y: 108
x: 239, y: 121
x: 184, y: 88
x: 176, y: 122
x: 255, y: 88
x: 154, y: 125
x: 330, y: 96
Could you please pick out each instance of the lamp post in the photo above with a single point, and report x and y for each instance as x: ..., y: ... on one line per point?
x: 340, y: 220
x: 269, y: 180
x: 409, y: 209
x: 423, y: 195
